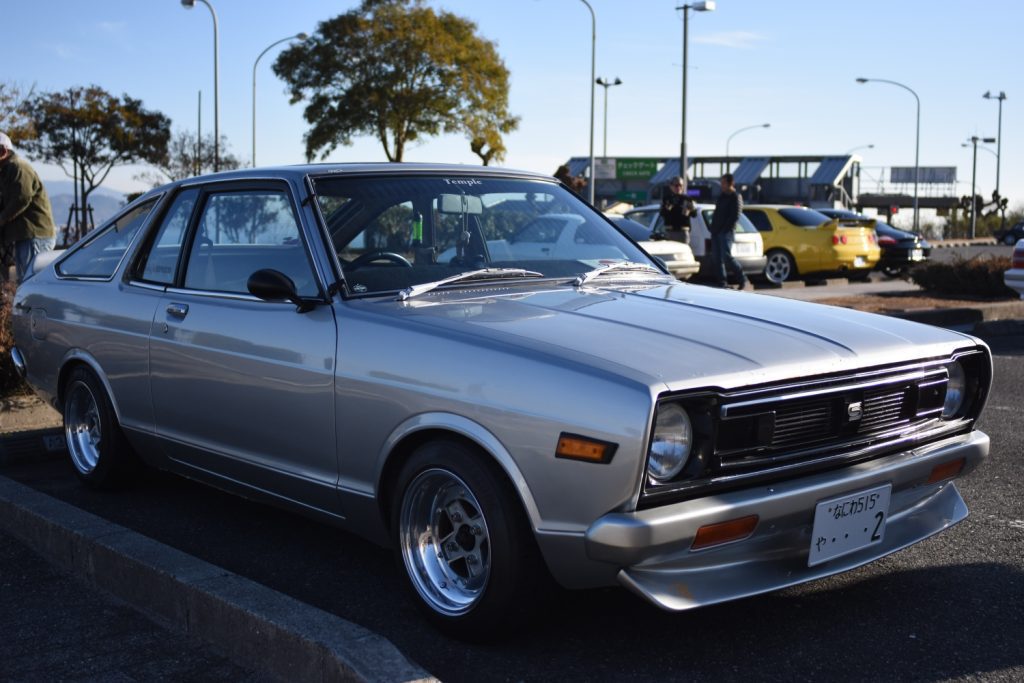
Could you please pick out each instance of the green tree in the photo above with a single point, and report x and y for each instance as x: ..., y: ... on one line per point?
x: 87, y: 132
x: 399, y: 71
x: 185, y: 158
x: 14, y: 120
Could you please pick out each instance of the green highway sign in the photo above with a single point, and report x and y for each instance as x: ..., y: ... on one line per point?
x: 635, y: 169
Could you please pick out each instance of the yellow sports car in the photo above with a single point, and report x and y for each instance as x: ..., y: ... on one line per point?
x: 801, y: 241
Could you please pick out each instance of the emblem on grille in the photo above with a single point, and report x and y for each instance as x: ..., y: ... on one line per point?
x: 854, y: 411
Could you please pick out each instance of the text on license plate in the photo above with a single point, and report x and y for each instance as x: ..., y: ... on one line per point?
x: 848, y: 523
x: 916, y: 254
x: 859, y: 262
x: 742, y: 248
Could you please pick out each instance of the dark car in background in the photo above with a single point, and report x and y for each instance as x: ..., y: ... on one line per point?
x: 900, y: 249
x: 1010, y: 236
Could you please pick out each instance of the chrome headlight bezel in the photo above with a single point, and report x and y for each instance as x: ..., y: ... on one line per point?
x: 671, y: 443
x: 956, y: 390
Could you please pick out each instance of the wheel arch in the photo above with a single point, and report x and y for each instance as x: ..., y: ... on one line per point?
x: 429, y: 426
x: 79, y: 358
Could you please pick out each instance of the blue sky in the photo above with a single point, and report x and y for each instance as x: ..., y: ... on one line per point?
x: 791, y: 63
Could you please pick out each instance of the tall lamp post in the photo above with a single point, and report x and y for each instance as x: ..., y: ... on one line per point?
x: 189, y: 4
x: 734, y: 134
x: 702, y: 6
x: 917, y: 143
x: 297, y: 36
x: 974, y: 176
x: 605, y: 83
x: 999, y: 146
x: 593, y: 92
x: 854, y: 149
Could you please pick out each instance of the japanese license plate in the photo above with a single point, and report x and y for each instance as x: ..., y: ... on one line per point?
x: 742, y: 248
x: 916, y: 254
x: 859, y: 262
x: 849, y: 523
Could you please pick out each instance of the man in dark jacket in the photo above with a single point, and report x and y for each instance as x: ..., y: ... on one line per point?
x: 723, y: 227
x: 26, y: 220
x: 677, y: 208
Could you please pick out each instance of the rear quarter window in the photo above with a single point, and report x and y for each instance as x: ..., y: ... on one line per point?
x: 100, y: 256
x: 804, y: 218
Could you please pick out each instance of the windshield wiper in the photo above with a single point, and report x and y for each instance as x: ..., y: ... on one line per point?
x: 618, y: 266
x: 483, y: 274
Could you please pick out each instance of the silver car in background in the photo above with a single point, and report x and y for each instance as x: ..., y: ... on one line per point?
x: 381, y: 348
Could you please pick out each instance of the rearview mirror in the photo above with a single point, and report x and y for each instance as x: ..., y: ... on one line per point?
x: 460, y: 203
x: 273, y: 285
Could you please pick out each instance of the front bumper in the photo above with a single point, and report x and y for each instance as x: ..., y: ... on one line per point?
x: 652, y: 547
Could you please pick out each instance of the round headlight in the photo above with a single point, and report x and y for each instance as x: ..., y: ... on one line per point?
x: 956, y: 390
x: 670, y: 445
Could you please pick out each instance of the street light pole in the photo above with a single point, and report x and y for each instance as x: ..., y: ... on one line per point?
x: 999, y: 147
x: 605, y: 83
x: 703, y: 6
x: 917, y: 143
x: 297, y: 36
x: 729, y: 140
x: 189, y: 4
x: 854, y: 149
x: 974, y: 175
x: 593, y: 92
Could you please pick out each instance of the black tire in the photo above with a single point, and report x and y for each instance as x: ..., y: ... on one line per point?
x: 859, y: 276
x: 779, y: 266
x: 516, y: 578
x: 98, y: 450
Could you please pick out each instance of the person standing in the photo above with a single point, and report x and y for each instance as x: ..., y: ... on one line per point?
x: 677, y: 208
x: 723, y: 232
x: 26, y: 219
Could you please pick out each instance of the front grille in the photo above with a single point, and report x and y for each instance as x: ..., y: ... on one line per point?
x: 764, y: 430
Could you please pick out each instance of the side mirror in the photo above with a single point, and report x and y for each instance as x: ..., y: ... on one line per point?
x: 273, y: 285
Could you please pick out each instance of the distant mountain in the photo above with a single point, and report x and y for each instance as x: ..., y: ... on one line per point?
x: 105, y: 203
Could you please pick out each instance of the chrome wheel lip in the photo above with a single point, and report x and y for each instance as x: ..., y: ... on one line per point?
x: 777, y: 270
x: 82, y: 429
x: 434, y: 544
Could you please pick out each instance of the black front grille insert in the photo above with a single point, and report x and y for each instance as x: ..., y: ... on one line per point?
x: 763, y: 431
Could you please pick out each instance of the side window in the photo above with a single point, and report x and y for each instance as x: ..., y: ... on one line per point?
x: 759, y: 219
x: 245, y: 231
x: 160, y: 262
x: 100, y: 256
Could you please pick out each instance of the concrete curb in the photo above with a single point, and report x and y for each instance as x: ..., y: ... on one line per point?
x: 253, y: 625
x: 967, y: 319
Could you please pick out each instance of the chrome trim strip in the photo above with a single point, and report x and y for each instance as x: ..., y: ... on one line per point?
x: 219, y: 295
x: 146, y: 285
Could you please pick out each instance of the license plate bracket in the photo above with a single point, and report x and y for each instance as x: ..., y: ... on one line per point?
x: 848, y: 523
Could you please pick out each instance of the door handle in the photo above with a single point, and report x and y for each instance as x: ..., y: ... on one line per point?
x: 178, y: 311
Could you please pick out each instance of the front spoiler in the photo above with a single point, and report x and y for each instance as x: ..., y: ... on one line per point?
x: 652, y: 546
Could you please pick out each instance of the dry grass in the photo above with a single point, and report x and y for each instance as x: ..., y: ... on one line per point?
x: 10, y: 383
x: 914, y: 301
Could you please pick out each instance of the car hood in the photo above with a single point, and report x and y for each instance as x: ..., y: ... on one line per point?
x: 676, y: 335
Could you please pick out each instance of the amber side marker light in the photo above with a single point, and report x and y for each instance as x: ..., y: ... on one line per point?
x: 576, y: 447
x: 946, y: 470
x: 724, y: 532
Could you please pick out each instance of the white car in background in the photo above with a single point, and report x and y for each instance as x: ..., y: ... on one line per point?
x: 676, y: 256
x: 1014, y: 277
x: 747, y: 248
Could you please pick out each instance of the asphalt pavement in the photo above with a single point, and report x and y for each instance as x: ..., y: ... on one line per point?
x: 948, y: 608
x: 55, y: 628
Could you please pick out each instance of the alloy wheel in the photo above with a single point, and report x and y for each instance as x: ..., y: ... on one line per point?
x: 778, y: 268
x: 82, y: 428
x: 444, y: 541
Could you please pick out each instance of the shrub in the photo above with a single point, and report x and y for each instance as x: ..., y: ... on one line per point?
x: 981, y: 276
x: 10, y: 383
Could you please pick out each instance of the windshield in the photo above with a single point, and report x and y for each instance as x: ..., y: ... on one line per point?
x: 805, y: 218
x: 394, y: 232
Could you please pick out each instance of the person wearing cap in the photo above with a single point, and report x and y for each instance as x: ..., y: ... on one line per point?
x: 26, y: 219
x: 677, y: 208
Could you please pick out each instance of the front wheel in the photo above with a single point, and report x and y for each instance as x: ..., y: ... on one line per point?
x: 463, y: 541
x: 779, y: 267
x: 99, y: 452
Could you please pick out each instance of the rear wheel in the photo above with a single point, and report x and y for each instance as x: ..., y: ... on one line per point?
x: 779, y: 267
x: 99, y: 452
x: 464, y: 542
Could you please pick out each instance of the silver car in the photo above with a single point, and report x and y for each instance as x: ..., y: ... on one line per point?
x: 501, y: 414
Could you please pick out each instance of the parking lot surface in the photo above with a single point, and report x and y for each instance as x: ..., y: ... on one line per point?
x: 57, y: 628
x: 948, y: 608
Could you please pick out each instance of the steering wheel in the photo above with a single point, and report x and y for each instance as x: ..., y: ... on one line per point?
x: 371, y: 256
